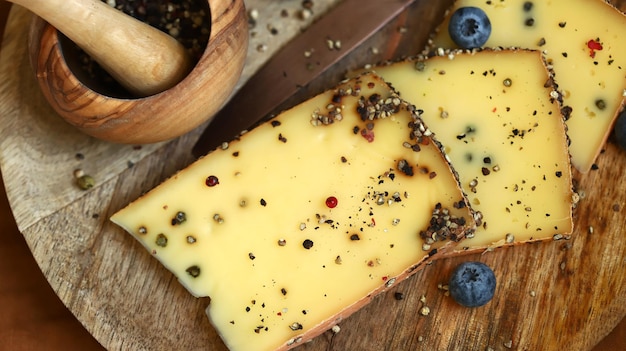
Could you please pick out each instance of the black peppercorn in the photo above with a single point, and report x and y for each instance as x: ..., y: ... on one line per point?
x: 308, y: 243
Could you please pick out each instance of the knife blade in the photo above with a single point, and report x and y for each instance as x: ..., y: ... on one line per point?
x: 330, y: 39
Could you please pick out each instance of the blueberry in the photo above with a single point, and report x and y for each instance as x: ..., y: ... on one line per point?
x: 472, y: 284
x: 469, y: 27
x: 619, y: 129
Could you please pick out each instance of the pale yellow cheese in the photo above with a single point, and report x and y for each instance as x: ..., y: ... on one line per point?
x: 593, y: 82
x: 279, y: 264
x: 502, y: 129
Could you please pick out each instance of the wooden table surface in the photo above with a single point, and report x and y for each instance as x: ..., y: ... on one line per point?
x: 32, y: 317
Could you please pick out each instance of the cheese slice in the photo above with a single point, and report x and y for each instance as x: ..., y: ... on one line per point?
x: 303, y: 219
x: 583, y: 40
x: 499, y: 120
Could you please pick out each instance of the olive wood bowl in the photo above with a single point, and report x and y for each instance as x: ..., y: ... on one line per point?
x: 155, y: 118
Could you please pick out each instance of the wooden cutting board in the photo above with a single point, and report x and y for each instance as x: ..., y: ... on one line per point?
x: 549, y: 295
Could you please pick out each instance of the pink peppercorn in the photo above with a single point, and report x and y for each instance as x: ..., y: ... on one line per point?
x: 212, y: 181
x: 593, y: 45
x: 331, y: 202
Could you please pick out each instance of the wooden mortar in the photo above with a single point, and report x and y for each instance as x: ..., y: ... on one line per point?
x: 154, y: 118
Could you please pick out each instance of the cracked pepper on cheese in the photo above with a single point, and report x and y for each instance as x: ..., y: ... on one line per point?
x: 584, y: 41
x: 306, y: 217
x: 498, y: 117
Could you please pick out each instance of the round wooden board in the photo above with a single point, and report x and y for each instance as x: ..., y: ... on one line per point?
x: 569, y: 292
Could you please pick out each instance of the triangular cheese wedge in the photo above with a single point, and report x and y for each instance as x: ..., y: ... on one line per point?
x: 498, y: 116
x: 305, y: 218
x: 584, y: 42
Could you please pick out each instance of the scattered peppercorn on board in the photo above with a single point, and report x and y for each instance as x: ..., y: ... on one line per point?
x: 549, y: 294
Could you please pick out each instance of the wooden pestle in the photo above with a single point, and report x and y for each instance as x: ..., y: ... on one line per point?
x: 141, y: 58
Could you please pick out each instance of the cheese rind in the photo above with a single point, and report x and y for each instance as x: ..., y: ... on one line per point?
x: 499, y: 120
x: 301, y: 221
x: 583, y: 41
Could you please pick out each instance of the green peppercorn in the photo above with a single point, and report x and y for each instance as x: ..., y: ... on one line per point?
x: 161, y: 240
x: 85, y: 182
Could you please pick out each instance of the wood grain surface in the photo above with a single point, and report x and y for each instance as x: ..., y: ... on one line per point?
x: 549, y: 294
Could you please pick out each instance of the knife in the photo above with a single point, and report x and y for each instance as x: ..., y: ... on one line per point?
x: 289, y: 76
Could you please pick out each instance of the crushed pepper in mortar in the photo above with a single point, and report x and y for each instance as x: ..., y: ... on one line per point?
x: 187, y: 21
